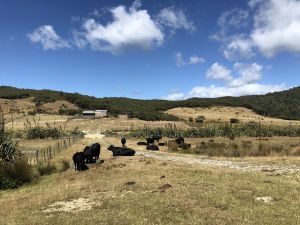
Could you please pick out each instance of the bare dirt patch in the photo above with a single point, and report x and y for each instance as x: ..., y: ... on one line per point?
x: 230, y: 164
x: 72, y: 206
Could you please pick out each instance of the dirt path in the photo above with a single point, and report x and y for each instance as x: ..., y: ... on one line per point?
x: 198, y: 160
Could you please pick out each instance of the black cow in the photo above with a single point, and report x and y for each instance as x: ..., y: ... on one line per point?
x: 152, y: 147
x: 157, y: 137
x: 92, y: 153
x: 179, y: 140
x: 119, y: 151
x: 79, y: 161
x: 142, y: 143
x: 123, y: 141
x: 185, y: 146
x: 150, y: 140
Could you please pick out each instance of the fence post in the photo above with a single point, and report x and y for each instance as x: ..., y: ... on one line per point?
x: 37, y: 156
x: 50, y: 152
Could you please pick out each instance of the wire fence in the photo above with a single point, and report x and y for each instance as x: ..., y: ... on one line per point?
x: 45, y: 154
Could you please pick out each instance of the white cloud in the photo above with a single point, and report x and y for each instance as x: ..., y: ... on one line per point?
x: 239, y: 48
x: 275, y: 29
x: 221, y: 91
x: 129, y: 28
x: 248, y: 89
x: 277, y: 26
x: 248, y: 74
x: 174, y: 96
x: 241, y: 80
x: 48, y: 38
x: 218, y: 72
x: 234, y: 19
x: 194, y: 59
x: 173, y: 18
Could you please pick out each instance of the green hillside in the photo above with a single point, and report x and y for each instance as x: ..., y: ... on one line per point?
x: 285, y: 104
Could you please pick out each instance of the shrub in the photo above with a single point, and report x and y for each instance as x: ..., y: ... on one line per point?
x: 200, y: 119
x: 8, y: 151
x: 64, y: 165
x: 46, y: 168
x: 191, y: 120
x: 14, y: 174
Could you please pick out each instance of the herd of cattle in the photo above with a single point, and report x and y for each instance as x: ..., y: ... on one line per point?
x: 90, y: 154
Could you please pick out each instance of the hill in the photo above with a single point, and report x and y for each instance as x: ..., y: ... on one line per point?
x: 284, y: 105
x: 225, y: 113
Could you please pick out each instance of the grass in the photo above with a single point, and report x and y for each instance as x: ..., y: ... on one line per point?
x: 197, y: 195
x: 225, y: 113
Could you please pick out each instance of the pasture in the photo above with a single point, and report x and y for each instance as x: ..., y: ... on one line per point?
x: 165, y: 187
x: 224, y: 114
x: 142, y: 190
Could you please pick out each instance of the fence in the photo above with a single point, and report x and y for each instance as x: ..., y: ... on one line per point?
x: 45, y: 154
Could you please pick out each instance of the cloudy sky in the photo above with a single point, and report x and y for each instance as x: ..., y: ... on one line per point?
x: 151, y: 49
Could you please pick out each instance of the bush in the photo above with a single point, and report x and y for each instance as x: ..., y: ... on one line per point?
x: 46, y: 168
x: 8, y: 151
x: 191, y: 120
x: 200, y: 119
x: 14, y: 174
x: 64, y: 165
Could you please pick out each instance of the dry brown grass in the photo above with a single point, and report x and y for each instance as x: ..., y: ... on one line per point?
x: 224, y: 114
x: 137, y: 190
x: 53, y: 107
x: 93, y: 125
x: 18, y: 104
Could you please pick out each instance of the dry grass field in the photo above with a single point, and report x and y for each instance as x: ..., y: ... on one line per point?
x: 92, y: 125
x: 224, y: 114
x: 140, y: 190
x: 159, y: 187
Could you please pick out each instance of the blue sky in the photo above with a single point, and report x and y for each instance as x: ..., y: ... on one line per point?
x: 151, y: 49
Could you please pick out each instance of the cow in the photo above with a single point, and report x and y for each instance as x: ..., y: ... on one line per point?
x: 157, y: 137
x: 79, y: 161
x: 92, y: 153
x: 119, y: 151
x: 185, y: 146
x: 123, y: 141
x: 150, y: 140
x: 179, y: 140
x: 152, y: 147
x: 142, y: 143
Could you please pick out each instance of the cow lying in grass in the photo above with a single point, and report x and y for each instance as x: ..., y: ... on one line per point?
x: 142, y: 143
x: 92, y: 153
x: 120, y: 151
x: 152, y: 147
x: 79, y: 161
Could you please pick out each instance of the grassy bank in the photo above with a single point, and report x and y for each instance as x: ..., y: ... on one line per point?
x: 136, y: 192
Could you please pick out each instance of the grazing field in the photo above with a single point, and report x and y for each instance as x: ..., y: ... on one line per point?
x: 142, y: 190
x: 92, y: 124
x: 165, y: 187
x: 224, y: 114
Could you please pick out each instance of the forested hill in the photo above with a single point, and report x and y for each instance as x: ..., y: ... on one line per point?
x: 285, y: 104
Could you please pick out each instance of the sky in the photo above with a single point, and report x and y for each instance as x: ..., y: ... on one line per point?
x: 151, y: 49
